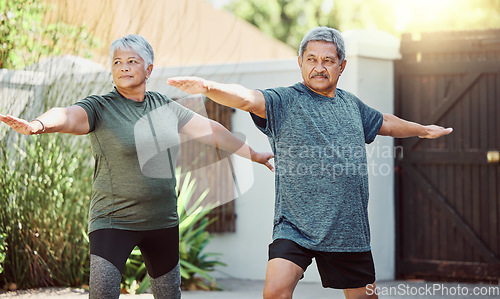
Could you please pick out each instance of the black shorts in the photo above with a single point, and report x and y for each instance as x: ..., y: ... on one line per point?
x: 338, y: 270
x: 159, y: 248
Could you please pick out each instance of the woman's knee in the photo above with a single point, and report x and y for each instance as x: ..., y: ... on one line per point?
x: 105, y: 278
x: 168, y: 285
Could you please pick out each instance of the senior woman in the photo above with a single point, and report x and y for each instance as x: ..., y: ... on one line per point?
x: 129, y: 208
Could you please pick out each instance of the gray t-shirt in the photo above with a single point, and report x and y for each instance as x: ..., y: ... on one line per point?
x: 321, y: 172
x: 135, y: 147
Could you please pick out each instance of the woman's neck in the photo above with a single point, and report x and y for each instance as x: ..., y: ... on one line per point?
x: 135, y: 94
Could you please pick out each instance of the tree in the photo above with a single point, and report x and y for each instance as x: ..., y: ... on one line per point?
x: 286, y: 20
x: 25, y: 37
x: 289, y: 20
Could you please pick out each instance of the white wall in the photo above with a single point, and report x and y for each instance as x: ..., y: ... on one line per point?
x: 369, y: 75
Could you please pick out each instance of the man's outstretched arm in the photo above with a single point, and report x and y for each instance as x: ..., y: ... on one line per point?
x: 400, y: 128
x: 231, y: 95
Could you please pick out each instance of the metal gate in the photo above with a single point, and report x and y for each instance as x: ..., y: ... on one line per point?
x: 448, y: 189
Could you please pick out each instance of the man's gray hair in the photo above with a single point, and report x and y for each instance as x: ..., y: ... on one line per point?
x: 326, y: 34
x: 136, y: 43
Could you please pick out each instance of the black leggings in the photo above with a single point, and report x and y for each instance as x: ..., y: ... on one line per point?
x: 159, y: 248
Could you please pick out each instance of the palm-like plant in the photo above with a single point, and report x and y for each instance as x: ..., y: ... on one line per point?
x: 196, y: 264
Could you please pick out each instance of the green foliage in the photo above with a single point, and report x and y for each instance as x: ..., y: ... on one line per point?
x: 286, y: 20
x: 195, y: 264
x: 289, y: 20
x: 2, y: 250
x: 46, y: 180
x: 45, y: 187
x: 44, y: 194
x: 134, y: 278
x: 25, y: 38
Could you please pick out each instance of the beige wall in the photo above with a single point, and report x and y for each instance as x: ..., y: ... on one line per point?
x: 186, y: 32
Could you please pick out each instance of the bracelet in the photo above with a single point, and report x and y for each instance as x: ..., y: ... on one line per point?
x: 43, y: 126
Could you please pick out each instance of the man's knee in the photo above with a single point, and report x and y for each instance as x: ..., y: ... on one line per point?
x: 282, y: 277
x: 277, y: 291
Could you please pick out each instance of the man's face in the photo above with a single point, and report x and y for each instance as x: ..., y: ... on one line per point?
x: 321, y: 67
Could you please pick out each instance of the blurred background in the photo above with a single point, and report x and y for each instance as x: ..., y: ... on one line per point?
x: 435, y: 205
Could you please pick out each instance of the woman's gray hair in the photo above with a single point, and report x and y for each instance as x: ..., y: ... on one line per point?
x: 326, y: 34
x: 136, y: 43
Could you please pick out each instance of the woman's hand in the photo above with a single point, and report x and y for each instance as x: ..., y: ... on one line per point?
x: 263, y: 158
x: 22, y: 126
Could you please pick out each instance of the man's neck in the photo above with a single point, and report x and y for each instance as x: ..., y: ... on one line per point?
x: 327, y: 93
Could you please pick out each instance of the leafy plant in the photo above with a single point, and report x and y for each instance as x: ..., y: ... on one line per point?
x: 45, y: 181
x: 2, y: 250
x: 25, y: 37
x: 195, y: 264
x: 134, y: 278
x: 44, y: 190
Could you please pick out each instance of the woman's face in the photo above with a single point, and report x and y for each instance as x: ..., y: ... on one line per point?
x: 128, y: 69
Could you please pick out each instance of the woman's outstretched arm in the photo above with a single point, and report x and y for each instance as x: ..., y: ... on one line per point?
x: 71, y: 120
x: 213, y: 133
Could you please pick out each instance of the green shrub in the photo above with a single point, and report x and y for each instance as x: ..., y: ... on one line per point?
x: 196, y: 265
x: 2, y: 250
x: 45, y: 181
x: 134, y: 278
x: 44, y: 194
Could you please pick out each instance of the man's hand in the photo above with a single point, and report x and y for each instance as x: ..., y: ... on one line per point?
x: 399, y: 128
x: 434, y: 131
x: 20, y: 125
x: 191, y: 85
x: 263, y: 158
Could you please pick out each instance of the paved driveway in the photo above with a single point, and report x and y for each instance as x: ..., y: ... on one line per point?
x: 249, y: 289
